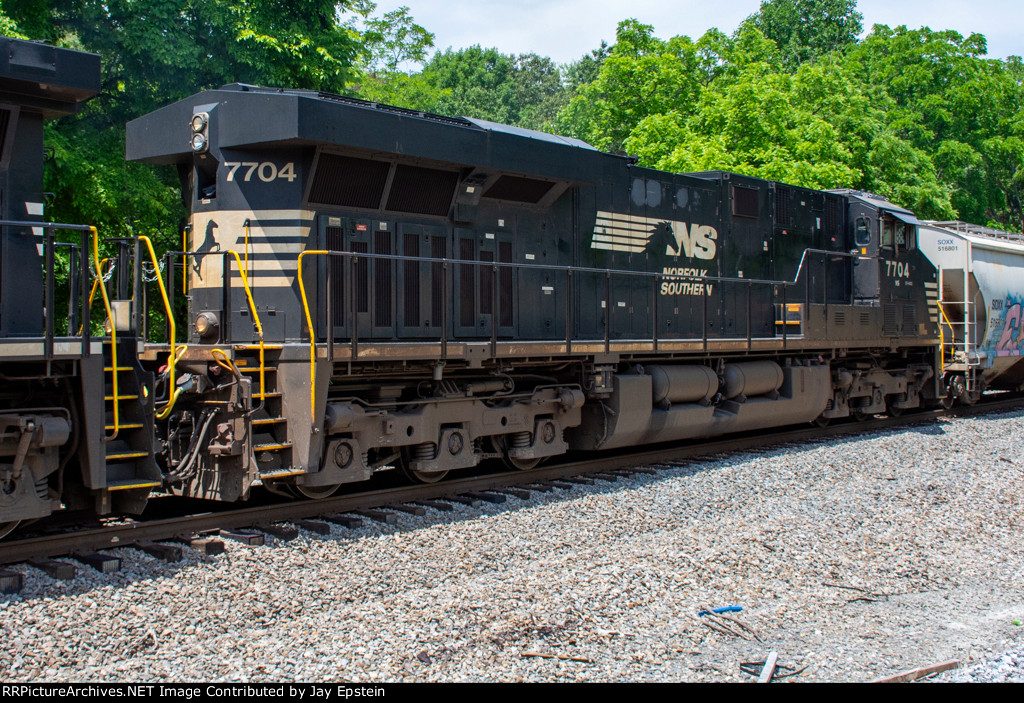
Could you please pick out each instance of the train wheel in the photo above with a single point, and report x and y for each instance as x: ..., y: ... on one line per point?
x: 417, y: 476
x: 821, y: 421
x: 315, y: 492
x: 7, y: 528
x: 859, y: 415
x: 500, y: 444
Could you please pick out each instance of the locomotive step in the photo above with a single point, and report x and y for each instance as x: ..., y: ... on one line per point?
x: 253, y: 369
x: 108, y: 369
x: 131, y: 484
x: 281, y: 473
x: 121, y: 397
x: 126, y: 455
x: 251, y: 347
x: 270, y: 394
x: 272, y: 447
x: 269, y: 421
x: 125, y: 426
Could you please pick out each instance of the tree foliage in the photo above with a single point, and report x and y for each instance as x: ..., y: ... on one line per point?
x: 806, y: 29
x: 919, y: 116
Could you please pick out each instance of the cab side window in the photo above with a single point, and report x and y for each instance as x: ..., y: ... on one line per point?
x: 862, y: 235
x: 887, y: 228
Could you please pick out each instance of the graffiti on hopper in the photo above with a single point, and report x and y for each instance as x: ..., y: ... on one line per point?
x: 1011, y: 340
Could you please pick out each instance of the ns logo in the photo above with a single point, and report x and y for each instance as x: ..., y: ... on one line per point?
x: 633, y: 233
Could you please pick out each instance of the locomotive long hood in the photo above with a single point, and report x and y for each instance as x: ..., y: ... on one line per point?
x: 305, y: 118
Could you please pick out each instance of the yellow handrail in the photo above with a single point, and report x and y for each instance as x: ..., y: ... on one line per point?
x: 312, y: 335
x: 113, y: 329
x: 942, y: 337
x: 172, y: 360
x: 256, y: 319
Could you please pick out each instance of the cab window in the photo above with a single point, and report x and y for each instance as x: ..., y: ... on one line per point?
x: 862, y: 236
x: 887, y: 234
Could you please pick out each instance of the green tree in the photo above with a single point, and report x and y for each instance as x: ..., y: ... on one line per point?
x: 806, y: 29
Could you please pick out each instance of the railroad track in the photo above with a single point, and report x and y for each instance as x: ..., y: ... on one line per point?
x: 167, y: 538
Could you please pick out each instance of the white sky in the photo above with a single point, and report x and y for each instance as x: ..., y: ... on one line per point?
x: 564, y: 30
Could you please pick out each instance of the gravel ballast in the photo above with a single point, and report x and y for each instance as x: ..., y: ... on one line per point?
x: 853, y: 559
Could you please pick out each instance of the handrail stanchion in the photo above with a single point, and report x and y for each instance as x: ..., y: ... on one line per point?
x: 785, y: 313
x: 86, y: 301
x: 352, y: 315
x: 113, y: 332
x: 328, y: 308
x: 51, y: 239
x: 495, y: 271
x: 444, y: 307
x: 172, y: 359
x: 312, y: 330
x: 654, y: 308
x: 568, y: 310
x: 169, y: 265
x: 607, y: 311
x: 750, y: 303
x: 704, y: 316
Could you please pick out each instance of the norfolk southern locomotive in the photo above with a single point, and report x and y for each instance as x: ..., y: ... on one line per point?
x: 372, y: 287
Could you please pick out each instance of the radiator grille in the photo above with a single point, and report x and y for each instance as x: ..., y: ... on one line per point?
x: 438, y: 250
x: 411, y: 247
x: 505, y: 284
x: 336, y: 242
x: 467, y: 316
x: 744, y: 201
x: 890, y: 323
x: 349, y: 182
x: 833, y: 216
x: 782, y: 197
x: 522, y: 190
x: 425, y: 191
x: 383, y: 284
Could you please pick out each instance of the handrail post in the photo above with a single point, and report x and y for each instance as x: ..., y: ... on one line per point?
x: 568, y: 310
x: 444, y: 307
x: 51, y: 239
x: 328, y: 309
x: 607, y: 311
x: 226, y: 295
x: 74, y: 284
x: 785, y: 315
x: 704, y: 316
x: 84, y: 296
x: 169, y: 265
x: 750, y: 315
x: 350, y: 315
x: 495, y: 272
x: 654, y: 309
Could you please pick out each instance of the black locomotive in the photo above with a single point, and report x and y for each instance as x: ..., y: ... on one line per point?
x: 371, y: 287
x: 430, y: 291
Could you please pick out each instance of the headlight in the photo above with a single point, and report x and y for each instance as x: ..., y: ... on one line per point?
x: 206, y: 325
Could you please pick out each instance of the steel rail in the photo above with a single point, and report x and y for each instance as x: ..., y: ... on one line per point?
x: 125, y: 535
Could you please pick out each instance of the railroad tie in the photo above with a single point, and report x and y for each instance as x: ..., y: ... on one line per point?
x: 55, y: 569
x: 104, y: 563
x: 11, y: 582
x: 436, y: 505
x: 315, y: 526
x: 282, y: 532
x: 165, y: 552
x: 343, y: 520
x: 250, y: 539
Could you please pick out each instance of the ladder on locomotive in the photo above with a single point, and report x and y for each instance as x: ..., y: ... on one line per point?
x: 127, y: 426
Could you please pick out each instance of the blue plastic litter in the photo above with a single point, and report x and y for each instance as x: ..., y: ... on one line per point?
x: 726, y: 609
